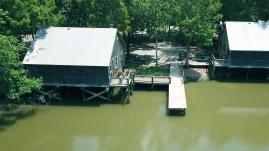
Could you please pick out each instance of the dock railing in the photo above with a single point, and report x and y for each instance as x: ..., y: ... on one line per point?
x: 122, y: 80
x: 212, y: 60
x: 182, y: 73
x: 241, y: 63
x: 146, y: 79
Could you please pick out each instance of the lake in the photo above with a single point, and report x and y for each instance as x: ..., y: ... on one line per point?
x: 221, y: 116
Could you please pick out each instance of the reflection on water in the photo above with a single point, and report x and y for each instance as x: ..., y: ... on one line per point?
x: 85, y: 143
x: 221, y: 116
x: 239, y: 110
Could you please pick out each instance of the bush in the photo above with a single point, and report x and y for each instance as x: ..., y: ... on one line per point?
x: 13, y: 79
x: 153, y: 71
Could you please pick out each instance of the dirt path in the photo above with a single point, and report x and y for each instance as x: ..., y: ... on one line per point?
x: 168, y: 52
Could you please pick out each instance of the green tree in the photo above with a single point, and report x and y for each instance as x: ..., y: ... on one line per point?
x: 13, y: 79
x: 113, y: 12
x: 27, y: 16
x: 198, y: 21
x: 152, y: 15
x: 263, y: 10
x: 95, y: 13
x: 245, y: 10
x: 77, y: 13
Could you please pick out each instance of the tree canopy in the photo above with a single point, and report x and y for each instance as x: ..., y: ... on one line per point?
x: 95, y: 13
x: 245, y: 10
x: 21, y: 17
x: 198, y: 21
x: 151, y: 14
x: 14, y: 82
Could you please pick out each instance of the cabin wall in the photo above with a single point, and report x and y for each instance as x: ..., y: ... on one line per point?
x: 118, y: 58
x: 250, y: 57
x: 70, y: 75
x: 224, y: 46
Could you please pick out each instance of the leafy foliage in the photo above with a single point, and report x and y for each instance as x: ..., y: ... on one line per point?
x: 245, y: 10
x: 152, y: 14
x: 20, y: 17
x: 13, y: 80
x: 198, y: 21
x: 153, y: 71
x: 95, y: 13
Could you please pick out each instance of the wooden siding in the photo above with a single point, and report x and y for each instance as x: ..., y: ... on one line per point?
x: 70, y: 75
x: 117, y: 58
x: 224, y: 46
x: 252, y: 58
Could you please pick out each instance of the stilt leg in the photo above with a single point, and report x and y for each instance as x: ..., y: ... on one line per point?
x: 95, y: 95
x: 213, y: 72
x: 267, y: 74
x: 109, y: 95
x: 83, y: 93
x: 247, y: 76
x: 229, y: 73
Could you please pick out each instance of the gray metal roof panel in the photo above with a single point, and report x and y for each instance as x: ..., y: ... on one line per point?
x: 248, y: 36
x: 72, y: 46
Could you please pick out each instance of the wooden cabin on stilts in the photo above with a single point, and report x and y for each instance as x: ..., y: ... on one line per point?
x: 244, y: 48
x: 91, y: 59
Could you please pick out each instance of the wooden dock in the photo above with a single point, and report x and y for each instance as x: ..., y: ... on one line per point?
x: 177, y: 98
x: 198, y: 64
x: 152, y: 80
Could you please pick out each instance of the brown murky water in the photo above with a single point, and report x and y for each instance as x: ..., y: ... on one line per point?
x: 220, y: 116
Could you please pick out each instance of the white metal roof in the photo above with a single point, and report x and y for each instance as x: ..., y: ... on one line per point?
x: 72, y: 46
x: 248, y: 36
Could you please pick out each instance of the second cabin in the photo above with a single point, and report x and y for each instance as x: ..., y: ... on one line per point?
x: 244, y: 46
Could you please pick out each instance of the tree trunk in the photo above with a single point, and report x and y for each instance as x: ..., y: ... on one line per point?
x: 128, y: 44
x: 188, y: 52
x: 156, y: 50
x: 169, y: 32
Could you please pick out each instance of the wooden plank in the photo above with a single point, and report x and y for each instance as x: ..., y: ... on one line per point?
x: 157, y: 80
x: 95, y: 95
x: 117, y: 82
x: 198, y: 63
x: 177, y: 97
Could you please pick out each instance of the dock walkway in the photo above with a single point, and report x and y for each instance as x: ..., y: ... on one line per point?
x: 152, y: 80
x: 177, y: 97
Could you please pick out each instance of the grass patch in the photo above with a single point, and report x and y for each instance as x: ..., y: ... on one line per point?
x: 153, y: 71
x: 9, y: 114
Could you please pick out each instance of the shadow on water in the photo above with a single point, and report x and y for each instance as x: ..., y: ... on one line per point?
x: 242, y: 75
x: 176, y: 113
x: 73, y: 97
x: 2, y: 128
x: 11, y: 113
x: 148, y: 87
x: 238, y: 80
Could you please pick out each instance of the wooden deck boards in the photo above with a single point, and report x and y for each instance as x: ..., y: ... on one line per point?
x: 198, y: 63
x: 119, y: 82
x: 177, y: 97
x: 155, y: 80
